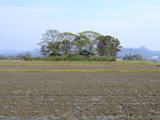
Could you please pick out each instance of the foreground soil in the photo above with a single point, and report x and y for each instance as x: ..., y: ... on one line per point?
x: 79, y: 95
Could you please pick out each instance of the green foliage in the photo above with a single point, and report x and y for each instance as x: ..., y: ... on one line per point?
x: 91, y: 40
x: 54, y: 48
x: 67, y: 34
x: 80, y: 42
x: 66, y: 46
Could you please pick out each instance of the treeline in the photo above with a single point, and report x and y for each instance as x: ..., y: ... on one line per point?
x: 86, y: 45
x: 133, y: 57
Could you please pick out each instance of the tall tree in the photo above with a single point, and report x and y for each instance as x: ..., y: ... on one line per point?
x: 66, y: 46
x: 49, y: 39
x: 115, y: 46
x: 108, y: 46
x: 54, y: 48
x: 66, y: 42
x: 80, y: 43
x: 92, y: 40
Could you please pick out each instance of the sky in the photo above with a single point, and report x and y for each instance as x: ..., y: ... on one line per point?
x: 134, y: 22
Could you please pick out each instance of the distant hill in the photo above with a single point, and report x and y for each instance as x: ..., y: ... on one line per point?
x: 145, y: 52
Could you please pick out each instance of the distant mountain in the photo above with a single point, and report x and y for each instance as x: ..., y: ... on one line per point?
x: 6, y: 52
x: 145, y: 52
x: 35, y: 53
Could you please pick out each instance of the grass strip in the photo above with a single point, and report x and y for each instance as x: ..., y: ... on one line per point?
x: 80, y: 71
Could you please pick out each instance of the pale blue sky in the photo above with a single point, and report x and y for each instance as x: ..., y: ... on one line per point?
x: 134, y: 22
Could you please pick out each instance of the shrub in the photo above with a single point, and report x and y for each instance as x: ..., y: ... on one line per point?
x: 25, y: 56
x: 101, y: 58
x: 73, y: 57
x: 55, y: 58
x: 133, y: 57
x: 77, y: 58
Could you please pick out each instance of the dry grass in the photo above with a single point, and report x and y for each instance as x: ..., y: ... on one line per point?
x: 79, y: 95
